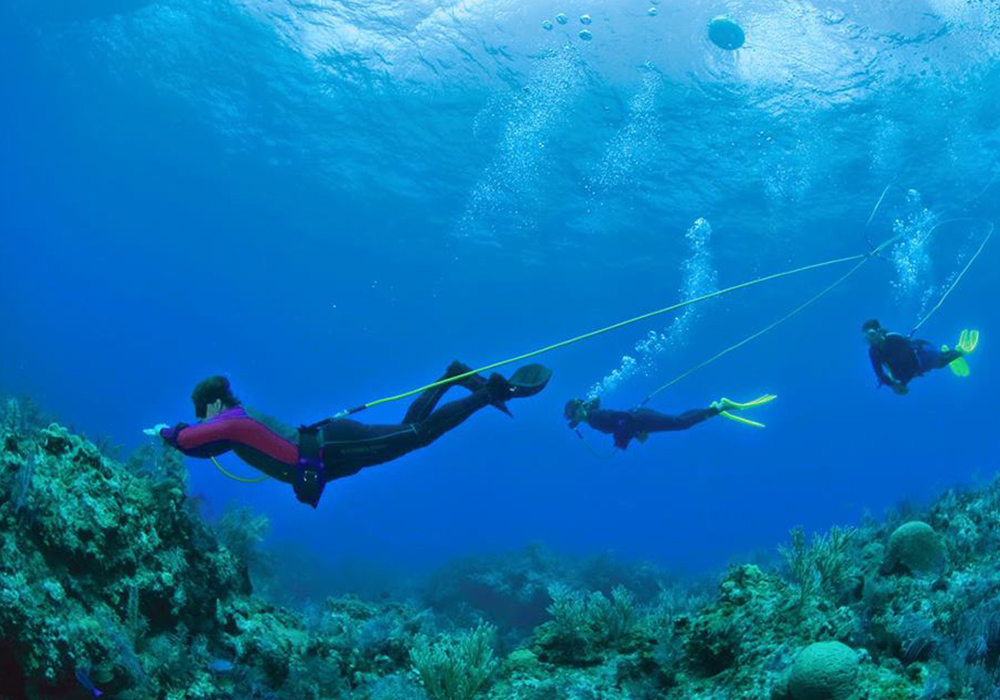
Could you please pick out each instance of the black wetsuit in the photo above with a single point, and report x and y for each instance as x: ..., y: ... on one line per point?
x: 906, y: 358
x: 349, y: 446
x: 331, y: 449
x: 626, y: 425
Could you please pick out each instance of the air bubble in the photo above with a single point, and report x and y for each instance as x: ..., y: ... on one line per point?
x: 586, y: 35
x: 585, y: 19
x: 833, y: 16
x: 726, y: 34
x: 547, y: 25
x: 561, y: 18
x: 652, y: 12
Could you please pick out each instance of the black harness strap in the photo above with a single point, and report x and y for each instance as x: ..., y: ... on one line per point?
x: 310, y: 478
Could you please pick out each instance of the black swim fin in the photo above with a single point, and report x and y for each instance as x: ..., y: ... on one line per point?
x: 529, y: 380
x: 526, y: 381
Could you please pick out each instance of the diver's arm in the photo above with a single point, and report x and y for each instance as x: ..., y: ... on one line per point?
x: 876, y: 360
x: 619, y: 424
x: 230, y: 429
x: 607, y: 421
x: 203, y: 440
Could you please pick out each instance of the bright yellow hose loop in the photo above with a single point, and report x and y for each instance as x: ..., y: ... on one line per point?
x: 961, y: 274
x: 753, y: 336
x: 238, y: 478
x: 826, y: 290
x: 862, y: 257
x: 593, y: 451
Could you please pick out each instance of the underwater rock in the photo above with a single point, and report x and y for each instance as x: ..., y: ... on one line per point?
x: 824, y: 671
x: 713, y: 645
x: 522, y: 661
x: 915, y: 546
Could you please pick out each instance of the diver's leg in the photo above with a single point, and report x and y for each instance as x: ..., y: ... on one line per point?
x: 349, y: 446
x: 946, y: 357
x: 454, y: 413
x: 426, y: 402
x: 649, y: 421
x: 930, y: 357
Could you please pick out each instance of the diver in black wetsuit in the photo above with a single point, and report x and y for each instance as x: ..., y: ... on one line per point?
x: 311, y: 455
x: 898, y: 359
x: 636, y: 423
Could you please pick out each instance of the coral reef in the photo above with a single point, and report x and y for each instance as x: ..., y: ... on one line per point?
x: 111, y: 581
x: 824, y: 671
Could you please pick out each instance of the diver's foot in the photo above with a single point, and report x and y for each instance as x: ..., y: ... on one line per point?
x: 473, y: 382
x: 526, y: 381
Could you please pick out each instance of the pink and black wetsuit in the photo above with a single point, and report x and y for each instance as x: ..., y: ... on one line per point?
x: 310, y: 456
x: 259, y: 440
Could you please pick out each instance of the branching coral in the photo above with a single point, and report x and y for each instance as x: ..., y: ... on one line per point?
x: 455, y: 667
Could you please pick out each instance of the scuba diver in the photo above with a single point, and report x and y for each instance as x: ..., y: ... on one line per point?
x: 898, y: 359
x: 310, y: 456
x: 638, y: 423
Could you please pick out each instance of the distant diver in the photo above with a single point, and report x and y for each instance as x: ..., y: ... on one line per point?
x: 310, y: 456
x: 898, y: 359
x: 638, y: 423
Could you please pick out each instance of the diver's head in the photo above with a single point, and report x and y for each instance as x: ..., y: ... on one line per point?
x: 873, y: 331
x: 213, y: 396
x: 577, y: 410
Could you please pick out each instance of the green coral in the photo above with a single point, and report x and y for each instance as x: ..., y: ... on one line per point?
x: 584, y: 628
x: 824, y: 671
x: 916, y: 547
x: 455, y: 667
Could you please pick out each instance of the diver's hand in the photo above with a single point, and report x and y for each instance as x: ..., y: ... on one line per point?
x: 900, y: 389
x: 155, y: 430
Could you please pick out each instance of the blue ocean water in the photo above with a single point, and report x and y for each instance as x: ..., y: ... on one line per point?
x: 329, y: 201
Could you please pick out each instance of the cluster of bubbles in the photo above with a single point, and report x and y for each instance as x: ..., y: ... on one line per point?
x: 506, y: 195
x: 700, y: 278
x: 910, y: 256
x: 917, y: 278
x: 634, y: 145
x: 561, y: 18
x: 586, y: 20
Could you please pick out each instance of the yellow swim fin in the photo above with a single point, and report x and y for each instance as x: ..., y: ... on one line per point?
x: 725, y: 407
x: 741, y: 419
x: 958, y: 366
x: 968, y: 341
